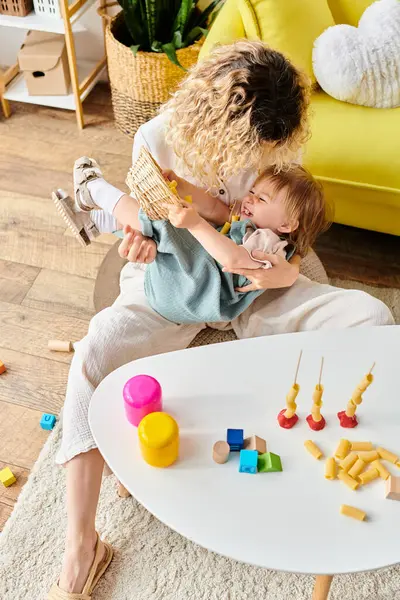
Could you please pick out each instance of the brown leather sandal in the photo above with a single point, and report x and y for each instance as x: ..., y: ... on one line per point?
x: 97, y: 570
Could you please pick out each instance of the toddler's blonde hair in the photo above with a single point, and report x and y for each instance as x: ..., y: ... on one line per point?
x: 304, y: 202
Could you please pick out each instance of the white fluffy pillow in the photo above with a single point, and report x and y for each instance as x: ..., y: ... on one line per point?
x: 362, y: 65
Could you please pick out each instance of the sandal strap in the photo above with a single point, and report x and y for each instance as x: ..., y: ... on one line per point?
x: 56, y: 593
x: 87, y: 589
x: 88, y: 174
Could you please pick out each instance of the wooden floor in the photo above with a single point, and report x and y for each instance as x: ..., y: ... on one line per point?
x: 47, y: 279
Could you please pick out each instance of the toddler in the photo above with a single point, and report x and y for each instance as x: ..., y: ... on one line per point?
x: 189, y: 281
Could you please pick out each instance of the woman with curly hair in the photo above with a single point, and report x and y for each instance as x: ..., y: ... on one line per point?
x: 239, y: 112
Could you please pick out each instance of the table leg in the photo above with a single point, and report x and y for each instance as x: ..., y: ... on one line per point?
x: 322, y: 587
x: 122, y: 491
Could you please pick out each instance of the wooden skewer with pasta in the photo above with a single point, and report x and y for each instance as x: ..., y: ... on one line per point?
x: 287, y: 417
x: 315, y: 420
x: 348, y: 417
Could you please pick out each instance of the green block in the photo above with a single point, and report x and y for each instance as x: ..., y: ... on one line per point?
x: 269, y: 463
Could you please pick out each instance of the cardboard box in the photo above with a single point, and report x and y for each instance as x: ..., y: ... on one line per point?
x: 43, y: 61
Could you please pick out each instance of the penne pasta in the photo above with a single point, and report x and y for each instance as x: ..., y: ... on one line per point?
x: 368, y: 475
x: 362, y: 446
x: 348, y: 462
x: 330, y: 468
x: 313, y: 449
x: 354, y: 513
x: 386, y: 455
x: 343, y: 449
x: 349, y: 481
x: 357, y: 468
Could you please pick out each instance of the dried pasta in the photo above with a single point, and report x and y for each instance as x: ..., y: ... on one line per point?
x: 291, y: 405
x: 368, y: 475
x: 226, y: 228
x: 313, y: 449
x: 349, y: 481
x: 348, y: 462
x: 362, y: 446
x: 386, y: 455
x: 330, y: 468
x: 357, y: 468
x: 343, y: 449
x: 382, y: 470
x: 368, y: 455
x: 351, y: 511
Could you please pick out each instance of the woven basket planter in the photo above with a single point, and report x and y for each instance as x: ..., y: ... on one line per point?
x: 141, y: 83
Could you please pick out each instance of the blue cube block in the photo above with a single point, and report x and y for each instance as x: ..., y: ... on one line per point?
x: 248, y: 461
x: 235, y: 439
x: 47, y: 421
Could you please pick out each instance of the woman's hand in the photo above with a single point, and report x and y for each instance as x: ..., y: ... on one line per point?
x: 136, y: 247
x: 183, y: 217
x: 283, y: 273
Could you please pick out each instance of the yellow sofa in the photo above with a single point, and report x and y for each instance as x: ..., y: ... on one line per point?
x: 354, y: 151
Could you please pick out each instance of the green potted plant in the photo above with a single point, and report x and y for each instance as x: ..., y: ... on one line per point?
x: 150, y: 44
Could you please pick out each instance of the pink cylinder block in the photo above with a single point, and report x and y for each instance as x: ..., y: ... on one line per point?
x: 142, y: 395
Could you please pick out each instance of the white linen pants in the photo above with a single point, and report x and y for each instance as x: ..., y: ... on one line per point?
x: 130, y: 329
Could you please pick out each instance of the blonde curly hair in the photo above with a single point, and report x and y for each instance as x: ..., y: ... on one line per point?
x: 244, y: 107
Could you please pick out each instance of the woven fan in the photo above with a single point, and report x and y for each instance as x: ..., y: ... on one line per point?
x: 149, y: 187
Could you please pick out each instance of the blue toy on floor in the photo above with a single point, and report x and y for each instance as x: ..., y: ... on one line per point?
x: 47, y: 421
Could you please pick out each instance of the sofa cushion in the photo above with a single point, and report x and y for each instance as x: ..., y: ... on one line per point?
x: 359, y: 64
x: 348, y: 11
x: 227, y: 28
x: 290, y: 26
x: 354, y: 152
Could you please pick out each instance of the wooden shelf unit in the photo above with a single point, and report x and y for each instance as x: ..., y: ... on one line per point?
x: 84, y: 74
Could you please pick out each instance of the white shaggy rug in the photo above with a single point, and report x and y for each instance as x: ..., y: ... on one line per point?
x: 151, y: 562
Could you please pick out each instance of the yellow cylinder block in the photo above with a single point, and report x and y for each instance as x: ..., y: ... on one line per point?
x: 159, y: 439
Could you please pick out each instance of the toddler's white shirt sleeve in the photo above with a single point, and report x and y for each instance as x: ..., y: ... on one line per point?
x: 264, y: 240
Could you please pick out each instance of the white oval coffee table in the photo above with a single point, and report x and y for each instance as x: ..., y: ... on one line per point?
x: 286, y: 521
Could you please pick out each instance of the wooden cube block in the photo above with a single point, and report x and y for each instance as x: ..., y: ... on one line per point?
x: 255, y: 443
x: 392, y: 488
x: 2, y: 368
x: 7, y: 477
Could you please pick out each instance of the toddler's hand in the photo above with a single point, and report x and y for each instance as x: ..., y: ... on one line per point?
x: 185, y: 216
x: 136, y: 247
